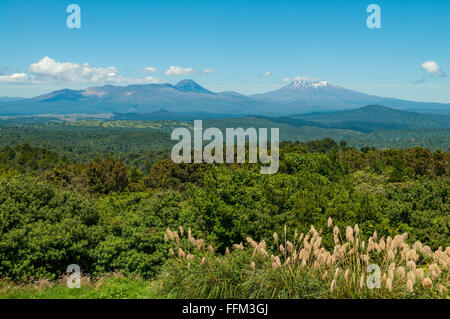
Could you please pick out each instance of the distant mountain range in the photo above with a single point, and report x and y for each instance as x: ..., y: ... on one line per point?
x: 365, y: 119
x: 188, y: 96
x: 10, y: 99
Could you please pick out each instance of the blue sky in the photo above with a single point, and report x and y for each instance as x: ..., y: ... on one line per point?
x: 237, y: 39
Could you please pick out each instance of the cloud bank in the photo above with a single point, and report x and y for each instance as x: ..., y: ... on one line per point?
x: 432, y: 68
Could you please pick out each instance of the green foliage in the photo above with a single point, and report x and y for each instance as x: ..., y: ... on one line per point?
x: 43, y: 230
x: 107, y: 175
x: 112, y: 286
x: 107, y: 215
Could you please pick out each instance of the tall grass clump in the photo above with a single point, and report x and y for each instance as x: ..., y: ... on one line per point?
x: 293, y: 265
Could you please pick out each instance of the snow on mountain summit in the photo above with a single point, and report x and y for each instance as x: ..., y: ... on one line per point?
x: 309, y: 84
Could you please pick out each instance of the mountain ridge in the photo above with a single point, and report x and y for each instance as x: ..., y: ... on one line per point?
x: 188, y: 96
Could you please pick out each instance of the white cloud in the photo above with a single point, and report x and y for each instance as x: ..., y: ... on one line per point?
x: 208, y: 71
x: 18, y: 78
x: 177, y: 70
x: 151, y: 79
x: 297, y: 78
x: 266, y: 74
x: 48, y: 70
x: 432, y: 68
x: 149, y: 69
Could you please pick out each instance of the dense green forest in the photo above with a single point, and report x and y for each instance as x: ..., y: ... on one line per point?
x: 107, y: 197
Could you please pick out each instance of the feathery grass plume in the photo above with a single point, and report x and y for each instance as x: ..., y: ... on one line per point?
x: 356, y: 229
x: 330, y: 260
x: 336, y: 273
x: 347, y: 274
x: 287, y: 262
x: 378, y: 248
x: 420, y: 274
x: 382, y: 244
x: 316, y: 264
x: 169, y: 233
x: 442, y: 289
x: 433, y: 275
x: 166, y: 238
x: 181, y: 230
x: 330, y: 222
x: 370, y: 245
x: 176, y: 237
x: 294, y: 256
x: 333, y: 286
x: 336, y: 240
x: 426, y: 250
x: 409, y: 285
x: 362, y: 282
x: 390, y: 255
x: 275, y: 238
x: 295, y: 235
x: 401, y: 272
x: 374, y: 235
x: 276, y: 264
x: 261, y: 249
x: 402, y: 266
x: 365, y: 259
x: 391, y: 274
x: 200, y: 244
x: 435, y: 268
x: 417, y: 246
x: 193, y: 241
x: 389, y: 284
x: 211, y: 250
x: 252, y: 243
x: 301, y: 237
x: 427, y: 283
x: 282, y: 250
x: 289, y: 246
x: 349, y: 234
x: 335, y: 230
x: 411, y: 275
x: 391, y: 266
x: 411, y: 265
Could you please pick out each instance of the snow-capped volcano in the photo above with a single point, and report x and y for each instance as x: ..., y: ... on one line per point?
x: 315, y: 93
x: 309, y: 84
